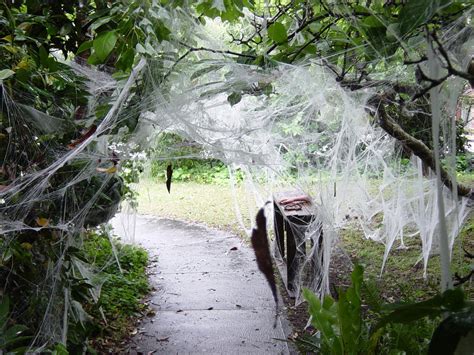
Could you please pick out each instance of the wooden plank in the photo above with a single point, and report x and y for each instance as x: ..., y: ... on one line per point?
x: 306, y: 208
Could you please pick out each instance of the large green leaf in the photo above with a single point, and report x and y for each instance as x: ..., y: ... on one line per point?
x: 277, y: 33
x: 349, y: 312
x: 415, y: 13
x: 407, y: 313
x: 324, y: 318
x: 6, y: 73
x: 104, y: 44
x: 85, y: 46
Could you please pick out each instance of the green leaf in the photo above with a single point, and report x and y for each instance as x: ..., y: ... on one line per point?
x: 277, y: 33
x: 60, y: 349
x: 140, y: 49
x: 126, y: 59
x: 234, y: 98
x: 84, y: 46
x: 205, y: 70
x: 6, y: 73
x: 104, y: 44
x: 93, y: 59
x: 415, y: 13
x: 454, y: 299
x: 349, y: 312
x: 13, y: 332
x: 162, y: 32
x: 100, y: 22
x: 324, y: 319
x: 407, y: 313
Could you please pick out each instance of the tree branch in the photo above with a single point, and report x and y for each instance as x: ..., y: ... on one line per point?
x: 204, y: 49
x: 417, y: 147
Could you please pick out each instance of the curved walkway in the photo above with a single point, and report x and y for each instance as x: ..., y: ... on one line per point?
x: 209, y: 295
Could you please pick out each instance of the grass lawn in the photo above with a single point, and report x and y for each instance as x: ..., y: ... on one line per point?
x: 208, y: 204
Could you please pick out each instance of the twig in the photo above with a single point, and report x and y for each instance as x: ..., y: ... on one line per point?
x: 197, y: 49
x: 462, y: 279
x: 449, y: 67
x: 416, y: 146
x: 175, y: 64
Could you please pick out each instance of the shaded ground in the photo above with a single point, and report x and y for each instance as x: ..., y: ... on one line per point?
x: 209, y: 296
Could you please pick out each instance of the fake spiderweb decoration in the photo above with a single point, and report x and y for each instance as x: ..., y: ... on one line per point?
x: 293, y: 126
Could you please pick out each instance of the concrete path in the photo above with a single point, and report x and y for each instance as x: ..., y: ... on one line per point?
x: 210, y: 297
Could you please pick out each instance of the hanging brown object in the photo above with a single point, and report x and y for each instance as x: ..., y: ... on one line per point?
x: 169, y: 174
x: 262, y: 252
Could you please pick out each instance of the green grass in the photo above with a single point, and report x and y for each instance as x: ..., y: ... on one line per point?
x: 403, y: 278
x: 209, y: 204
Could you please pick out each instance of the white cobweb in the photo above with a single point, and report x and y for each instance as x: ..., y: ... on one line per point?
x: 308, y: 134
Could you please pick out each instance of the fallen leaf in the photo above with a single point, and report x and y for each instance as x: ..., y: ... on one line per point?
x: 163, y: 339
x: 234, y: 248
x: 151, y: 313
x: 111, y: 170
x: 42, y: 222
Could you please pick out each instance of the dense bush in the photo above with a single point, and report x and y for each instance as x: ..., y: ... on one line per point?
x: 189, y: 162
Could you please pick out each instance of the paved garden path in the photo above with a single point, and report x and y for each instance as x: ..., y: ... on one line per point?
x: 209, y: 295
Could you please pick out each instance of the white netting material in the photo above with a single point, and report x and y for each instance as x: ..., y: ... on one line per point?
x: 353, y: 170
x: 309, y: 133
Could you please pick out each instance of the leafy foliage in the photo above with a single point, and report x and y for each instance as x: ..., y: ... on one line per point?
x: 11, y: 336
x: 124, y: 285
x: 190, y: 163
x: 344, y: 328
x: 340, y: 322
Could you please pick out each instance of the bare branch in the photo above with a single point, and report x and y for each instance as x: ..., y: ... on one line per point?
x: 168, y: 73
x: 204, y: 49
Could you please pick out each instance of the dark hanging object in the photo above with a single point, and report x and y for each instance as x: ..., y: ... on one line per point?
x: 169, y: 173
x: 470, y: 70
x: 262, y: 252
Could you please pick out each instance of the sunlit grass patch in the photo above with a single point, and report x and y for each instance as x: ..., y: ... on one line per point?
x: 209, y: 204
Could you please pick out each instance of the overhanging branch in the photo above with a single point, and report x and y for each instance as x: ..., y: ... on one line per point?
x: 417, y: 147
